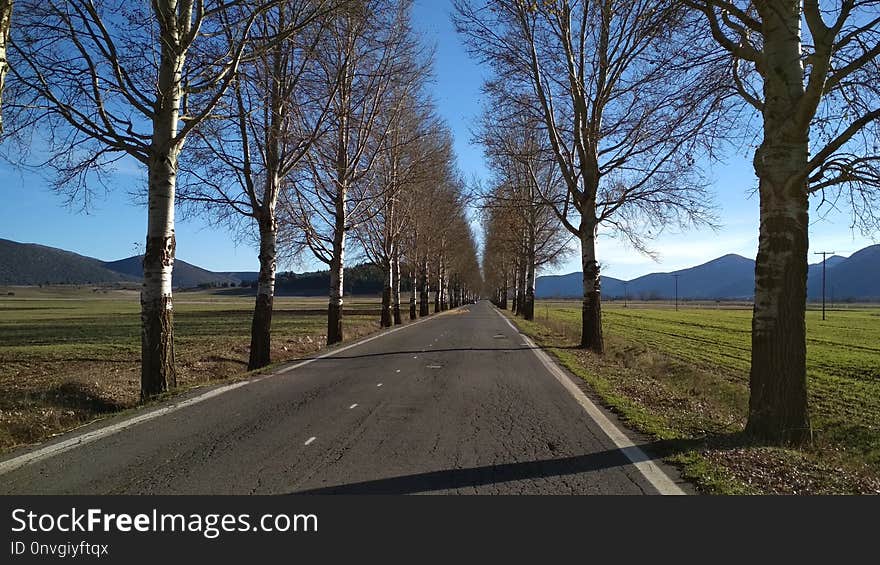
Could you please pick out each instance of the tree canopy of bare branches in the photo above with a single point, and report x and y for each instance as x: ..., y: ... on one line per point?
x: 99, y: 81
x: 625, y: 94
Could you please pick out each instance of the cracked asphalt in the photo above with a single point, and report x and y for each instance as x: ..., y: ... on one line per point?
x: 456, y: 404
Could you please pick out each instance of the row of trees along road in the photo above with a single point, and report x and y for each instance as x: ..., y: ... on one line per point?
x: 296, y: 122
x: 628, y: 94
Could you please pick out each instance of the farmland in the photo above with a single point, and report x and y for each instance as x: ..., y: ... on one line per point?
x: 70, y: 355
x: 683, y: 375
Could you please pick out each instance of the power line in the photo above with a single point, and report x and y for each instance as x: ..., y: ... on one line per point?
x: 824, y: 255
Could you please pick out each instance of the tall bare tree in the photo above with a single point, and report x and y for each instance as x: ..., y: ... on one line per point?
x: 526, y: 183
x: 624, y: 103
x: 239, y: 164
x: 399, y: 169
x: 366, y: 50
x: 104, y: 80
x: 811, y: 69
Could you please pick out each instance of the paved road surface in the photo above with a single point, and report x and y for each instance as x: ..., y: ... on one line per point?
x: 458, y: 403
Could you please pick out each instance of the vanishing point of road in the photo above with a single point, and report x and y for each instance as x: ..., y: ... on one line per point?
x: 455, y: 403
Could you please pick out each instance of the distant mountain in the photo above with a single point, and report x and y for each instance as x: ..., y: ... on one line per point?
x: 242, y: 276
x: 728, y: 277
x: 731, y: 277
x: 564, y: 286
x: 184, y: 274
x: 32, y: 264
x: 856, y: 277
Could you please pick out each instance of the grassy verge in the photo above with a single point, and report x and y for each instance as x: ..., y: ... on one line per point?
x: 682, y: 377
x: 68, y: 357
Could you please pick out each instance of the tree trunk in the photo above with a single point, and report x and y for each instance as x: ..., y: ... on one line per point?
x: 521, y: 289
x: 413, y: 314
x: 261, y: 326
x: 516, y: 287
x: 395, y: 286
x: 529, y: 298
x: 504, y: 292
x: 778, y: 389
x: 157, y: 314
x: 444, y: 288
x: 591, y: 313
x: 158, y: 372
x: 337, y: 270
x: 387, y: 286
x: 438, y: 291
x: 423, y: 290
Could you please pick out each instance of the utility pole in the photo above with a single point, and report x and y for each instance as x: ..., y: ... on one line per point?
x: 676, y: 291
x: 824, y: 255
x: 625, y: 294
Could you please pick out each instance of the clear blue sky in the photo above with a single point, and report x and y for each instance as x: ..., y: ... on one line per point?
x: 33, y: 213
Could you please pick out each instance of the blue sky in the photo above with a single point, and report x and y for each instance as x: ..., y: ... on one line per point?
x: 114, y: 224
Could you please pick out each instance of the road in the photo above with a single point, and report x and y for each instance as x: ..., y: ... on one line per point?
x: 457, y: 403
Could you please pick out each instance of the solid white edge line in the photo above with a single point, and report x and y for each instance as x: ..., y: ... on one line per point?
x: 640, y: 460
x: 82, y: 439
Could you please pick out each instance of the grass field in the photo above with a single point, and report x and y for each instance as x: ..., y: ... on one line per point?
x: 70, y: 355
x: 683, y: 375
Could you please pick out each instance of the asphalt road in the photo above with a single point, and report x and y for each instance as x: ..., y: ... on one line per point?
x: 459, y: 403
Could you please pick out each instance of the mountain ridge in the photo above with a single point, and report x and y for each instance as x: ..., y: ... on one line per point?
x: 730, y: 277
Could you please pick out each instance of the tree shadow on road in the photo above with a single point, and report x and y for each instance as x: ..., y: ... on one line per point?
x: 452, y: 479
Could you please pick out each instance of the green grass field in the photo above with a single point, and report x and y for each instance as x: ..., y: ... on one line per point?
x: 684, y: 374
x: 70, y: 355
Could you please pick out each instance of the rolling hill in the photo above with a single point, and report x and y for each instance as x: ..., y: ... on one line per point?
x: 32, y: 264
x: 731, y: 277
x: 23, y: 264
x: 185, y: 275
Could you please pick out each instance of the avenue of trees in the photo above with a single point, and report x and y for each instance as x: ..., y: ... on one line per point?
x: 307, y: 126
x: 304, y: 124
x: 625, y: 96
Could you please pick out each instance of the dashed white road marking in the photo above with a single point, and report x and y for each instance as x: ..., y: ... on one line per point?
x: 380, y: 384
x: 310, y: 440
x: 81, y: 439
x: 434, y: 367
x: 397, y: 371
x: 353, y: 406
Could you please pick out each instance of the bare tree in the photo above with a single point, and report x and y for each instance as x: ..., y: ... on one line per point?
x: 624, y: 103
x: 811, y: 69
x: 424, y: 219
x: 366, y: 51
x: 106, y: 80
x: 399, y: 168
x: 526, y: 183
x: 239, y: 164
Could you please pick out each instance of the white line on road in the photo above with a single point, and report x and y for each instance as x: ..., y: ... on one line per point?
x: 397, y: 371
x: 353, y: 406
x: 380, y: 384
x: 641, y: 460
x: 310, y: 440
x: 82, y: 439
